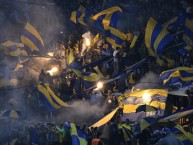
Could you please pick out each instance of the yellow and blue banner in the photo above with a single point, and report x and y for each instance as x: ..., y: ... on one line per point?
x: 50, y: 100
x: 152, y: 97
x: 156, y: 38
x: 180, y: 75
x: 78, y: 137
x: 109, y: 20
x: 32, y: 40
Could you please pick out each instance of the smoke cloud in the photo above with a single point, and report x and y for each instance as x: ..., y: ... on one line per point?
x: 85, y: 113
x: 149, y: 81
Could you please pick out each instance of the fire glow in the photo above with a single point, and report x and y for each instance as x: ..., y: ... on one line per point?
x: 51, y: 54
x: 52, y: 71
x: 87, y: 42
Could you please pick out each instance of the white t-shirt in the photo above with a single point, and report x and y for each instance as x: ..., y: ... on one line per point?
x: 114, y: 55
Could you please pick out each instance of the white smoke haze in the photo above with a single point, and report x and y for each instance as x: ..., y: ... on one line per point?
x: 85, y: 113
x: 149, y: 81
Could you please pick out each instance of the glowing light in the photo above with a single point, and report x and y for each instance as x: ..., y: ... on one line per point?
x: 52, y: 71
x: 99, y: 85
x: 87, y: 42
x: 109, y: 101
x: 146, y: 98
x: 50, y: 53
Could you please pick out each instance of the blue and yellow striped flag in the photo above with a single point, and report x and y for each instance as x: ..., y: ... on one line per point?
x: 50, y: 100
x: 107, y: 18
x: 156, y: 38
x: 32, y: 39
x: 182, y: 75
x: 115, y: 37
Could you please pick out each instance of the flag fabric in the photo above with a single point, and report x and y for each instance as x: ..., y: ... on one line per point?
x: 32, y: 40
x: 86, y: 76
x: 133, y: 42
x: 107, y: 11
x: 109, y: 20
x: 50, y: 100
x: 105, y: 119
x: 175, y: 23
x: 14, y: 48
x: 156, y: 38
x: 80, y: 16
x: 152, y: 97
x: 187, y: 36
x: 78, y: 138
x: 170, y: 22
x: 184, y: 136
x: 115, y: 37
x: 180, y: 75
